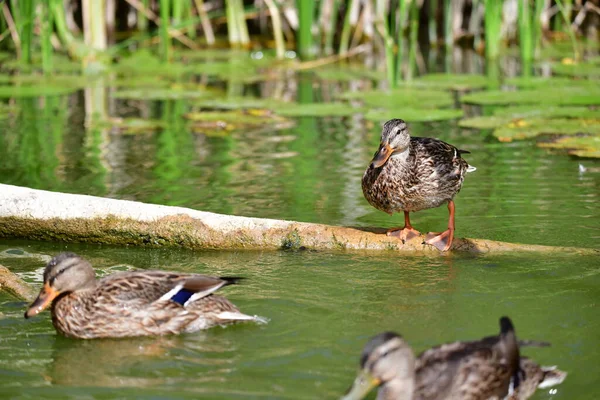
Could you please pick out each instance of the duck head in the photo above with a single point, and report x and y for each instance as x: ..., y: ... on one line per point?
x: 67, y: 272
x: 388, y: 362
x: 395, y: 138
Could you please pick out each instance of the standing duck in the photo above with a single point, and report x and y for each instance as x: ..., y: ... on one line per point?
x: 137, y: 303
x: 414, y: 173
x: 476, y: 370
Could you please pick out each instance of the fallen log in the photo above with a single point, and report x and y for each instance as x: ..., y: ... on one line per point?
x: 16, y: 286
x: 43, y: 215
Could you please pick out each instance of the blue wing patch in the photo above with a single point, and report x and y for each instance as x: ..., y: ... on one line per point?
x: 182, y: 296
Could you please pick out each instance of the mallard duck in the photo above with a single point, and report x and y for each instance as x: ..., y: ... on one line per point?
x: 476, y: 370
x: 414, y: 173
x: 137, y: 303
x: 532, y: 376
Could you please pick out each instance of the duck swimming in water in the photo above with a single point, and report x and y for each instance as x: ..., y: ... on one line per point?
x: 135, y: 303
x: 410, y: 174
x: 486, y: 369
x: 476, y: 370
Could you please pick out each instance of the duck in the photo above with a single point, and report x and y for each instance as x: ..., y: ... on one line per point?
x: 132, y: 303
x: 474, y: 370
x: 411, y: 174
x: 532, y: 376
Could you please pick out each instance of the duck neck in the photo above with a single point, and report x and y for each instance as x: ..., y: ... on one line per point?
x: 400, y: 156
x: 397, y: 389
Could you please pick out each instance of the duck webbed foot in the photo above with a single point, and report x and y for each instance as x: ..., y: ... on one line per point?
x: 405, y: 233
x: 442, y: 241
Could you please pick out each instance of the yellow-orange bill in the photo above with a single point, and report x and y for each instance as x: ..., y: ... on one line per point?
x: 44, y: 299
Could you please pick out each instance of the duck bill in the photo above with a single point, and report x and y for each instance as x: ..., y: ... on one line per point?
x: 44, y: 299
x: 382, y: 155
x: 362, y: 385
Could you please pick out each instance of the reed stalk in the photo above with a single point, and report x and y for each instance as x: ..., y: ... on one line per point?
x: 205, y: 22
x: 233, y: 32
x: 306, y: 15
x: 330, y: 29
x: 566, y: 15
x: 165, y: 39
x: 448, y: 34
x: 400, y: 38
x: 25, y: 21
x: 94, y: 24
x: 277, y: 30
x: 526, y: 33
x: 414, y: 26
x: 537, y: 25
x: 14, y: 32
x: 46, y: 36
x: 241, y: 21
x: 493, y: 23
x: 142, y: 19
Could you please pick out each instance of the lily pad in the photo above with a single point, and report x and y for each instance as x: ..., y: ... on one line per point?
x: 490, y: 122
x: 134, y: 125
x: 546, y: 111
x: 171, y: 93
x: 402, y: 98
x: 577, y: 69
x: 539, y: 82
x: 581, y: 146
x: 555, y: 96
x: 219, y: 123
x: 414, y: 114
x: 458, y: 82
x: 237, y: 103
x: 317, y: 110
x: 12, y: 91
x: 340, y: 72
x: 528, y: 128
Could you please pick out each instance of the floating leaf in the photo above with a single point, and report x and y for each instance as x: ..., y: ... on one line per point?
x: 484, y: 122
x: 402, y: 98
x: 556, y: 96
x: 538, y: 82
x: 581, y: 146
x: 339, y: 72
x: 222, y: 122
x: 414, y: 114
x: 577, y: 69
x: 528, y: 128
x: 236, y: 103
x: 134, y: 125
x: 317, y: 110
x: 546, y: 111
x: 459, y: 82
x: 171, y: 93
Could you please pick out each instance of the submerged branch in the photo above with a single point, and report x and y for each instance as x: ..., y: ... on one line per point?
x: 43, y: 215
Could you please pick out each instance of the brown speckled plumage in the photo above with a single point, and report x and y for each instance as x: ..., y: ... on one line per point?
x: 533, y: 376
x: 475, y: 370
x: 431, y: 174
x: 137, y: 303
x: 409, y: 174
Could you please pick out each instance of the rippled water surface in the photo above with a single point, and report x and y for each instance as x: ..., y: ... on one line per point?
x: 322, y: 305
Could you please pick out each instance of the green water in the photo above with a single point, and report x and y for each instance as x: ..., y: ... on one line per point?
x: 322, y: 306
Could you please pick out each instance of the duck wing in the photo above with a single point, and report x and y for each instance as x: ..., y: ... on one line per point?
x: 141, y: 288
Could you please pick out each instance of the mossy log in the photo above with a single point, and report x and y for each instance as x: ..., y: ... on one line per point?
x: 42, y: 215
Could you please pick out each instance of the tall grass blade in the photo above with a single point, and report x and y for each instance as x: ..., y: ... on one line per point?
x: 526, y: 35
x: 414, y: 26
x: 205, y: 21
x: 493, y: 23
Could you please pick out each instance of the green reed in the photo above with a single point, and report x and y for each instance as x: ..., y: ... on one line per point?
x: 26, y: 25
x: 565, y: 12
x: 165, y: 39
x: 493, y: 23
x: 526, y: 32
x: 306, y: 15
x: 277, y: 28
x: 46, y: 35
x: 414, y: 44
